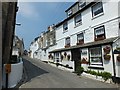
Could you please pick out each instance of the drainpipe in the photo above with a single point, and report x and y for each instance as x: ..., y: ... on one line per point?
x: 114, y: 68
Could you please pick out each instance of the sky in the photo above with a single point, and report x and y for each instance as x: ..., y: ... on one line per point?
x: 35, y: 17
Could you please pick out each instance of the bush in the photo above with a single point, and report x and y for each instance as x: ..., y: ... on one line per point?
x: 93, y: 72
x: 57, y: 64
x: 79, y: 70
x: 106, y: 75
x: 67, y: 66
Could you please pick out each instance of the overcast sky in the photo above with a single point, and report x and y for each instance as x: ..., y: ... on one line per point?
x: 35, y: 17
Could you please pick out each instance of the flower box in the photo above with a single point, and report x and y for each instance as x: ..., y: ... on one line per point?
x: 118, y: 58
x: 84, y: 61
x: 67, y: 46
x: 107, y: 57
x: 106, y: 50
x: 99, y: 38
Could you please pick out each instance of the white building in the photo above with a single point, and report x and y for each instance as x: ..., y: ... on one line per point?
x: 88, y: 37
x: 33, y: 47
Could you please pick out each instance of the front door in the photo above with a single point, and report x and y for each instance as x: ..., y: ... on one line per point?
x: 76, y: 56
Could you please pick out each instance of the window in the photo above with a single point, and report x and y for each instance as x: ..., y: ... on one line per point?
x: 97, y: 9
x: 99, y: 33
x: 67, y: 41
x: 95, y: 56
x: 78, y: 19
x: 65, y: 27
x: 80, y: 38
x: 82, y: 4
x: 69, y: 13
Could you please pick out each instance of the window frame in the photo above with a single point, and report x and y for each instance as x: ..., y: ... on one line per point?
x: 65, y: 26
x: 93, y: 15
x: 82, y: 4
x: 81, y: 35
x: 100, y: 35
x: 67, y: 41
x: 69, y: 12
x: 79, y: 22
x: 94, y: 56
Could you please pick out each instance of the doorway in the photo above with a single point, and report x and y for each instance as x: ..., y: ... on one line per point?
x: 76, y: 57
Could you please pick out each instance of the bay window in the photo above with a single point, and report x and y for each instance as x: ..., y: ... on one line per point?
x: 95, y: 56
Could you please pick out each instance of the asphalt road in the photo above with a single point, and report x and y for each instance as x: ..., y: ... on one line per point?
x: 42, y: 75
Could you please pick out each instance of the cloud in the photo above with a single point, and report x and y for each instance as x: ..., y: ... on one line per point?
x: 28, y: 10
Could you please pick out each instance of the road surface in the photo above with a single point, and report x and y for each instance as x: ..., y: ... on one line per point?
x: 42, y: 75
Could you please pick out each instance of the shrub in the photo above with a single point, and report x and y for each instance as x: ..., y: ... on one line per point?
x: 79, y: 70
x: 57, y: 64
x: 67, y: 66
x: 106, y: 75
x: 99, y: 73
x: 93, y: 73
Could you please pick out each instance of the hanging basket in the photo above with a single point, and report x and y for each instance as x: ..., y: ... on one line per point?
x: 107, y: 50
x: 107, y: 57
x: 68, y: 57
x: 118, y: 58
x: 84, y: 61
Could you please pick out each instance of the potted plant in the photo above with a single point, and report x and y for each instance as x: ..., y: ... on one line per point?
x: 107, y: 57
x: 65, y: 54
x: 84, y: 61
x: 118, y: 58
x: 68, y: 56
x: 79, y: 70
x: 61, y: 57
x: 106, y: 50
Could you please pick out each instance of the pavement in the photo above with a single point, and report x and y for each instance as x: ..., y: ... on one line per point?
x: 38, y: 74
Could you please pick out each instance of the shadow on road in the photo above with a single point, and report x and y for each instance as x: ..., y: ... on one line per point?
x: 31, y: 70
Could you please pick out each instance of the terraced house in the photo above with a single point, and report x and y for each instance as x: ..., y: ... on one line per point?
x: 89, y: 37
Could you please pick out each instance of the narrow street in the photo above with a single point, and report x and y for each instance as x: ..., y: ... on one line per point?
x: 42, y: 75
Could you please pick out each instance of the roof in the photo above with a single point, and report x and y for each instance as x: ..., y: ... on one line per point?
x: 72, y: 6
x: 68, y: 18
x: 106, y: 41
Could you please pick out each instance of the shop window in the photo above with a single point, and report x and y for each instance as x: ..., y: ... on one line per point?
x: 95, y: 56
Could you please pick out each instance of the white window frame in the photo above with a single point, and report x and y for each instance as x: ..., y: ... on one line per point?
x: 82, y: 4
x: 80, y: 37
x: 95, y: 56
x: 79, y: 21
x: 99, y: 30
x: 67, y: 41
x: 95, y: 10
x: 69, y: 12
x: 65, y: 26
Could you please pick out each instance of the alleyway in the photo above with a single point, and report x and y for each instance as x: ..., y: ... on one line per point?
x: 42, y: 75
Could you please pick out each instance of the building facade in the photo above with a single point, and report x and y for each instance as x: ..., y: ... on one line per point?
x: 84, y: 37
x: 87, y: 37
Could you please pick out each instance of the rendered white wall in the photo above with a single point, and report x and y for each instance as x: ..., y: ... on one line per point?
x: 16, y: 74
x: 117, y: 64
x: 86, y: 56
x: 34, y: 47
x: 108, y: 64
x: 89, y: 23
